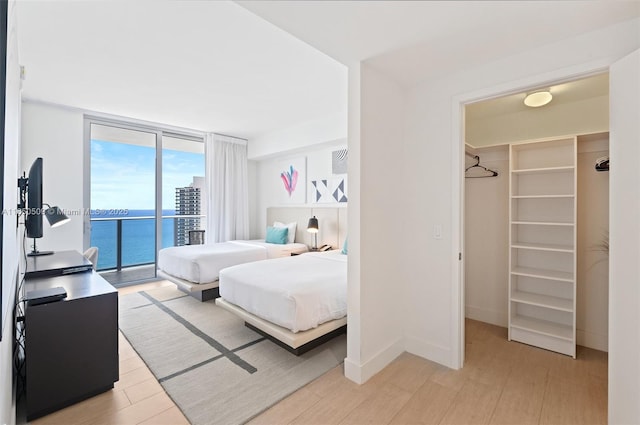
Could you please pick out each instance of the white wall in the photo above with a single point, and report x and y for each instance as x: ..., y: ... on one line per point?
x: 267, y: 185
x: 379, y: 337
x: 429, y: 191
x: 586, y: 116
x: 10, y: 239
x: 330, y: 129
x: 624, y: 241
x: 314, y: 139
x: 56, y: 134
x: 352, y: 362
x: 592, y: 310
x: 486, y: 233
x: 7, y: 389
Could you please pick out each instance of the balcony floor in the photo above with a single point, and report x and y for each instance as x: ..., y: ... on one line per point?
x: 129, y: 275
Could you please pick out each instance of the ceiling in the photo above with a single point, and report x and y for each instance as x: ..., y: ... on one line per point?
x: 563, y: 94
x: 219, y: 66
x: 202, y: 65
x: 578, y: 107
x: 412, y: 41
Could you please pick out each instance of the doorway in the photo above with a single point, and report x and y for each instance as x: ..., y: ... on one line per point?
x: 624, y: 108
x: 491, y: 126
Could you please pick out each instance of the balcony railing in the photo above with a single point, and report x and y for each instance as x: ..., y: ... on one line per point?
x: 135, y: 237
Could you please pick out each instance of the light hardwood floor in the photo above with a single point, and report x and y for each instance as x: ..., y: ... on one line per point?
x: 502, y: 383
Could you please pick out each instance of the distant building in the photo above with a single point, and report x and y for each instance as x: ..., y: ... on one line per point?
x: 188, y: 202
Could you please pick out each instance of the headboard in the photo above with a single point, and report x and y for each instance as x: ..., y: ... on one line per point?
x: 332, y: 223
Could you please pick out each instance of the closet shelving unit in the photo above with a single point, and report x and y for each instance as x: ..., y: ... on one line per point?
x: 542, y: 251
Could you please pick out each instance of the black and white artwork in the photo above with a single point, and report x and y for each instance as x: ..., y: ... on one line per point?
x: 327, y: 191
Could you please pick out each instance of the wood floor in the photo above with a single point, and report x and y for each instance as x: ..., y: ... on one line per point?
x: 502, y: 383
x: 129, y: 274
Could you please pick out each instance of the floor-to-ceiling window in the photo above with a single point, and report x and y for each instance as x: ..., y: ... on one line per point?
x: 183, y: 202
x: 146, y: 192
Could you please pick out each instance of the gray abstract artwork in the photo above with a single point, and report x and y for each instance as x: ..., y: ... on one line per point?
x: 339, y: 161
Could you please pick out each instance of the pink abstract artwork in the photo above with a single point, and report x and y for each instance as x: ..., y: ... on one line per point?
x: 290, y: 179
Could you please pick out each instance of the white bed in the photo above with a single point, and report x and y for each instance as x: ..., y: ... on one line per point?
x: 196, y: 268
x: 295, y: 299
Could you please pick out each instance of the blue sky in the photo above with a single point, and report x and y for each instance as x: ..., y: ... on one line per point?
x: 123, y: 175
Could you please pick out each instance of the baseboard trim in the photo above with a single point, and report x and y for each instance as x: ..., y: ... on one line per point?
x: 498, y: 318
x: 435, y: 353
x: 361, y: 373
x: 592, y: 340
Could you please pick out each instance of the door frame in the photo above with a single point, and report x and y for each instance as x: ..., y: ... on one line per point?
x: 457, y: 166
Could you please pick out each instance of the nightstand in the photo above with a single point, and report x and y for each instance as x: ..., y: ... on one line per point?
x: 304, y: 252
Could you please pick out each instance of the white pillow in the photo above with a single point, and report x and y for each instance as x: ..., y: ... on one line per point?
x: 291, y: 233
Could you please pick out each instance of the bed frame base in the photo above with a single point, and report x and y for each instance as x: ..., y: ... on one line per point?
x: 296, y: 343
x: 205, y: 295
x: 305, y: 347
x: 199, y: 291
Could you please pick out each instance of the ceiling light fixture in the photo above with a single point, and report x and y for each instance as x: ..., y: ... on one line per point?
x: 537, y: 99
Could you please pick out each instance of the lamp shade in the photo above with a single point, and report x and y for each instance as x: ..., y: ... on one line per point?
x: 312, y: 227
x: 55, y: 216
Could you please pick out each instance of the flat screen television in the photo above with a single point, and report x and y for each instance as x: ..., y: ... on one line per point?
x: 33, y: 221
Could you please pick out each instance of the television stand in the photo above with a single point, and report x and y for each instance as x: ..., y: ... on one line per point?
x: 71, y: 344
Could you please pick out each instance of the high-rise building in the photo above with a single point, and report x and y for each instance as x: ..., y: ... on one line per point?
x: 188, y: 202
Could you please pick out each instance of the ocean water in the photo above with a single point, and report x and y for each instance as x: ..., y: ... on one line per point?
x: 138, y: 236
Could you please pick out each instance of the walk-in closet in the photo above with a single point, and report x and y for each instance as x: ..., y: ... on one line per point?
x: 536, y: 214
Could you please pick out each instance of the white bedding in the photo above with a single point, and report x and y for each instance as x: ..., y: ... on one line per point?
x: 202, y: 263
x: 297, y: 293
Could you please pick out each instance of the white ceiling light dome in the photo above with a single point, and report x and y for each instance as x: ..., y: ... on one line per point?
x: 539, y: 98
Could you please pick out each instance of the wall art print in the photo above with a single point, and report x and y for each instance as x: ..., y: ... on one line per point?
x: 293, y: 180
x: 328, y: 191
x: 339, y: 161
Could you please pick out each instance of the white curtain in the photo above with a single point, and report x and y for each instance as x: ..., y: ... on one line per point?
x: 227, y: 186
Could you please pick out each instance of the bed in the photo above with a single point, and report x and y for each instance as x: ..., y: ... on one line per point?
x: 298, y: 302
x: 195, y: 268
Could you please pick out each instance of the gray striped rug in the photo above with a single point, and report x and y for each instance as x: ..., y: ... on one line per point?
x: 214, y: 368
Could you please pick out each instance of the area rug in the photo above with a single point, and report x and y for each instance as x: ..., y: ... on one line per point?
x: 213, y: 367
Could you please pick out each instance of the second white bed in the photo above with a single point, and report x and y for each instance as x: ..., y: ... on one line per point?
x: 297, y: 293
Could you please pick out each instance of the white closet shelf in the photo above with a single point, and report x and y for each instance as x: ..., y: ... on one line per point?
x: 543, y: 247
x: 543, y: 223
x: 543, y: 274
x: 542, y: 213
x: 543, y: 327
x: 540, y: 300
x: 547, y: 170
x: 542, y: 196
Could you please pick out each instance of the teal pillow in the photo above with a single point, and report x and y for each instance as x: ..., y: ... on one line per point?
x: 344, y: 247
x: 277, y: 235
